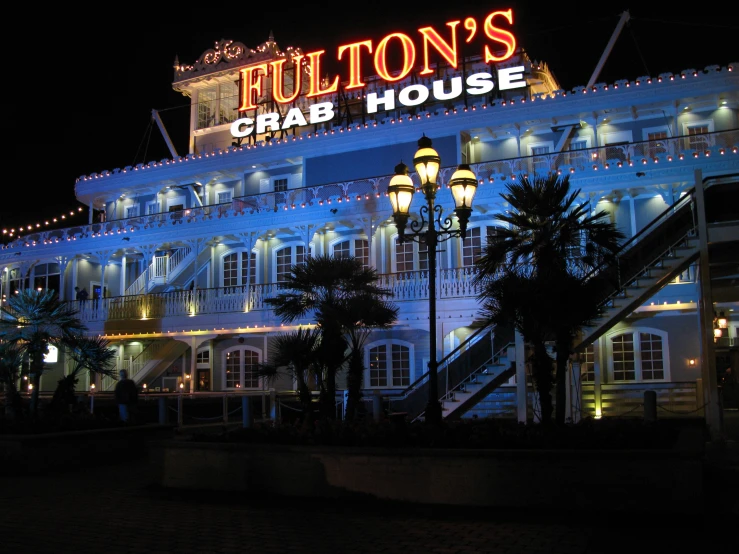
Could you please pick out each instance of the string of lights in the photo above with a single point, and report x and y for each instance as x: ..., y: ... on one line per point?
x: 11, y: 233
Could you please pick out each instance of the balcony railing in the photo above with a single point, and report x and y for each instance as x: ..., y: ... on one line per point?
x: 414, y: 285
x: 578, y: 163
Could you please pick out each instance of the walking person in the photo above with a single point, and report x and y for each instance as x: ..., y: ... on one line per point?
x: 127, y: 396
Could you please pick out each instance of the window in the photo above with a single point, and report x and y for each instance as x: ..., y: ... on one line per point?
x: 358, y: 248
x: 285, y: 258
x: 206, y: 107
x: 587, y: 365
x: 225, y: 196
x: 46, y: 277
x: 578, y: 157
x: 411, y: 256
x: 132, y: 211
x: 698, y: 139
x: 236, y: 267
x: 280, y: 185
x: 474, y: 243
x: 638, y: 356
x: 229, y: 102
x: 389, y: 364
x: 203, y: 358
x: 16, y: 282
x: 152, y: 207
x: 540, y: 159
x: 240, y: 364
x: 657, y: 142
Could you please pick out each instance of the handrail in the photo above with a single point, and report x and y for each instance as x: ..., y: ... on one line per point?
x: 469, y: 341
x: 493, y: 359
x: 450, y: 392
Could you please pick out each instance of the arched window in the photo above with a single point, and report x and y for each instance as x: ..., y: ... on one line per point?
x: 587, y: 365
x: 236, y: 267
x: 240, y: 365
x: 638, y: 355
x: 410, y: 256
x: 47, y: 277
x: 354, y: 247
x: 285, y: 258
x: 389, y: 364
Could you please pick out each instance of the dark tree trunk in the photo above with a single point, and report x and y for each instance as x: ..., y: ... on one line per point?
x: 354, y: 380
x: 563, y: 356
x: 541, y: 364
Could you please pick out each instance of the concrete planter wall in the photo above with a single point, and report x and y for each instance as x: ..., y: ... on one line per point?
x: 605, y: 480
x: 30, y: 454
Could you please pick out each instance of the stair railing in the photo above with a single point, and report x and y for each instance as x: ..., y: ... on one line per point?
x: 494, y: 359
x: 134, y: 365
x: 647, y: 248
x: 413, y: 398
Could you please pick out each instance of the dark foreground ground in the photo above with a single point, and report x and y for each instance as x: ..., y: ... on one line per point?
x: 114, y: 508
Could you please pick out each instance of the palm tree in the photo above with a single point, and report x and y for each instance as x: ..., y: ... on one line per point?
x: 33, y: 320
x: 518, y: 300
x: 296, y: 354
x: 556, y: 239
x: 322, y: 286
x: 359, y: 316
x: 11, y: 357
x: 92, y: 354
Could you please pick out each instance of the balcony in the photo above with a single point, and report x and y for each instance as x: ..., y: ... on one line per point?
x: 678, y: 152
x: 454, y: 283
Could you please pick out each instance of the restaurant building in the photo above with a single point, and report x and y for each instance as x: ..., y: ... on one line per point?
x: 284, y: 164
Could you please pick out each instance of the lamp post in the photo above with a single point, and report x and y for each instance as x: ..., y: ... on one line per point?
x: 432, y: 228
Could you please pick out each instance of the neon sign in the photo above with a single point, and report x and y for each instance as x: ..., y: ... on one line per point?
x: 446, y: 45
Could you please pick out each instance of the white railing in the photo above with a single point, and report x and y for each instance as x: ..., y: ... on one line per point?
x: 133, y: 365
x: 410, y: 286
x: 160, y: 268
x: 581, y: 164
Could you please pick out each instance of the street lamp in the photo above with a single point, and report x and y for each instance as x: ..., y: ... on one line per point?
x: 463, y: 185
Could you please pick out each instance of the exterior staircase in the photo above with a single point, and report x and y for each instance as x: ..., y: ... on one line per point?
x: 479, y: 384
x: 650, y: 260
x: 467, y: 374
x: 150, y: 363
x: 161, y: 271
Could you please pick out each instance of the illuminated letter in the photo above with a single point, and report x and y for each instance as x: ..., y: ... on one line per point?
x: 321, y: 112
x: 499, y: 35
x: 242, y: 127
x: 439, y: 93
x: 251, y: 85
x: 404, y: 96
x: 388, y: 101
x: 480, y: 83
x: 294, y: 117
x: 278, y: 81
x: 409, y: 57
x: 511, y: 77
x: 268, y: 120
x: 448, y: 52
x: 315, y: 76
x: 355, y: 67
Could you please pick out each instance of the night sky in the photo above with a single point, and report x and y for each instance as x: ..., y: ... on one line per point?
x: 79, y: 87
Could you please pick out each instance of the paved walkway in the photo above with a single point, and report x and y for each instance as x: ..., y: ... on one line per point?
x: 115, y: 509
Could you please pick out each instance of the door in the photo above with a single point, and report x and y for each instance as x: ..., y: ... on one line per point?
x: 203, y: 380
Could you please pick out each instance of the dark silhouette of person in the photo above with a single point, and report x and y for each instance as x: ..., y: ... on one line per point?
x: 127, y: 396
x: 81, y: 294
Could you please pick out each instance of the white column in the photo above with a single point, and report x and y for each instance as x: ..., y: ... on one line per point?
x: 521, y: 396
x: 123, y: 275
